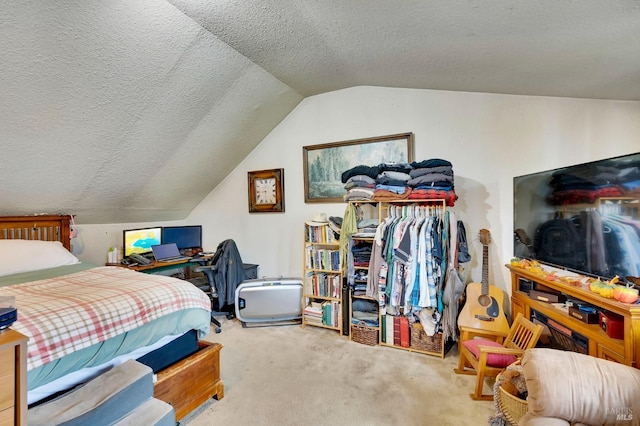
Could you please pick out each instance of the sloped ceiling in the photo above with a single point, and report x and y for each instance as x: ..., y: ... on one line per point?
x: 133, y: 111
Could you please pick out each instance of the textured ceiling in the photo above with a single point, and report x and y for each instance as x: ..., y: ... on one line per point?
x: 583, y: 49
x: 104, y: 103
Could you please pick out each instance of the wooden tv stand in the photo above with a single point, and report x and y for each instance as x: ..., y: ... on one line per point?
x: 625, y: 351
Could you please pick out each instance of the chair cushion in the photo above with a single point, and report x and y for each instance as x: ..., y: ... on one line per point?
x: 493, y: 360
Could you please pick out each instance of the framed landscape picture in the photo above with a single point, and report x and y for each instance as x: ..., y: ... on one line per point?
x: 324, y: 164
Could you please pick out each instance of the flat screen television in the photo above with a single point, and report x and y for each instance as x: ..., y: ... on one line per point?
x: 185, y: 237
x: 584, y: 218
x: 140, y: 240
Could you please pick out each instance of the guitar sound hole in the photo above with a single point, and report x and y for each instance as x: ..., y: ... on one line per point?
x: 484, y: 300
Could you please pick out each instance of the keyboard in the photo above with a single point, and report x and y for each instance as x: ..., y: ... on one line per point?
x: 174, y: 259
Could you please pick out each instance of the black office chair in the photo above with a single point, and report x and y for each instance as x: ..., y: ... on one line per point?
x: 204, y: 284
x: 224, y: 273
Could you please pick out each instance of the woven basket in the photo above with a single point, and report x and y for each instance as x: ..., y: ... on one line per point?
x: 364, y: 334
x: 422, y: 342
x: 511, y: 406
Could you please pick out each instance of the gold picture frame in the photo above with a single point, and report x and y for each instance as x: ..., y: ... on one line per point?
x: 266, y: 191
x: 324, y: 164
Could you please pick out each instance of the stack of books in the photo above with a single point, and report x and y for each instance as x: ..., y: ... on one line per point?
x: 313, y: 313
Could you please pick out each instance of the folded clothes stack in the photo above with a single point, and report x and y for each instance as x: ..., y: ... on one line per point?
x: 365, y: 310
x: 360, y: 182
x: 423, y: 180
x: 335, y: 223
x: 366, y: 228
x: 432, y: 179
x: 361, y: 254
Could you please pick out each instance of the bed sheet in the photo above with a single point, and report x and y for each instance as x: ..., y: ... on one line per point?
x: 43, y: 274
x: 76, y: 377
x: 106, y: 340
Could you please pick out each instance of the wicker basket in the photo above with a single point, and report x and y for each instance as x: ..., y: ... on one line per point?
x: 422, y: 342
x: 364, y: 334
x: 511, y: 406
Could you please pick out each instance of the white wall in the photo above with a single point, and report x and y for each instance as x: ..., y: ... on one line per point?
x: 93, y: 241
x: 488, y: 138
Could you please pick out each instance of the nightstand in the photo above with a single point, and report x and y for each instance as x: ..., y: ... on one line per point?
x: 13, y: 376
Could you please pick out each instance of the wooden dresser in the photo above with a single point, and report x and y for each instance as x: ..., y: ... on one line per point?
x: 13, y: 377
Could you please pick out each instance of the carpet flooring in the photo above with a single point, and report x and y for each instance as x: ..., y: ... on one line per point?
x: 289, y: 375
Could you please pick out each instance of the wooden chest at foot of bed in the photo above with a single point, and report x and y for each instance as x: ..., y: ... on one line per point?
x: 190, y: 382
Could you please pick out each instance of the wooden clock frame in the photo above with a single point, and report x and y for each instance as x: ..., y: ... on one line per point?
x: 278, y: 175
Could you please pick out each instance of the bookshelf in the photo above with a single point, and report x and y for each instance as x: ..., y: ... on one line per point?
x: 322, y: 291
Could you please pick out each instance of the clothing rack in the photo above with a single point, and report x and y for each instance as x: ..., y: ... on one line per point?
x: 414, y: 208
x: 398, y: 294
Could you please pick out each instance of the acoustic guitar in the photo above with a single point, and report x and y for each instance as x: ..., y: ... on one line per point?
x: 483, y: 309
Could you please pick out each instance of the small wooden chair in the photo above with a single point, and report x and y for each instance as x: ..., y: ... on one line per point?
x: 488, y: 358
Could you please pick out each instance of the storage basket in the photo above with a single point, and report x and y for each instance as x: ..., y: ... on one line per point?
x: 511, y: 406
x: 422, y: 342
x: 364, y: 334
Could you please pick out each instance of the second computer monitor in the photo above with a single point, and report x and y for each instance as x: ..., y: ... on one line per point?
x: 186, y: 237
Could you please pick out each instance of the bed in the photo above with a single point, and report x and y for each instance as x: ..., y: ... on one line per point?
x: 82, y: 319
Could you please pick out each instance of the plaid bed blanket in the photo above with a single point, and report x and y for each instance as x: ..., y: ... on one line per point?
x: 65, y: 314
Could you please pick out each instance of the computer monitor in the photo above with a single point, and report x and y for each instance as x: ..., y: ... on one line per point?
x: 185, y: 237
x: 140, y: 240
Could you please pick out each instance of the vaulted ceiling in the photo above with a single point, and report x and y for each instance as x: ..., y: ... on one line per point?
x: 133, y: 111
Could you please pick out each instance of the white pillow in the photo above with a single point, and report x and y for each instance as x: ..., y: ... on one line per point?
x: 26, y: 255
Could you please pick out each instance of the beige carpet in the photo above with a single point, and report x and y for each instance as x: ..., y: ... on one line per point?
x: 287, y: 375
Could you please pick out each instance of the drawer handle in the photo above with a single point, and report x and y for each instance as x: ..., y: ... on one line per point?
x: 576, y: 315
x: 544, y: 299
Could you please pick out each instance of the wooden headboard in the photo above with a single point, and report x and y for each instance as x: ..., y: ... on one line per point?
x: 43, y: 228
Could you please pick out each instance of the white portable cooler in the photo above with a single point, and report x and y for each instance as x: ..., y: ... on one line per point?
x: 269, y: 300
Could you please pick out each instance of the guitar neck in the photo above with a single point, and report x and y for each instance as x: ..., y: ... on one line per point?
x: 485, y: 269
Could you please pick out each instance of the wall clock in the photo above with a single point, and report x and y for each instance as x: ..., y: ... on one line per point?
x: 266, y: 191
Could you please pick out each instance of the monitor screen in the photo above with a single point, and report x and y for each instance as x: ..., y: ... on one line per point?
x: 140, y: 240
x: 186, y: 237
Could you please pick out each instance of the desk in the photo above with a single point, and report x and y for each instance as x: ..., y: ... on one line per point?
x: 154, y: 266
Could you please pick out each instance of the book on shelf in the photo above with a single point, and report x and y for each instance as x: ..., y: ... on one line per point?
x: 404, y: 332
x: 389, y: 328
x: 326, y: 314
x: 396, y: 330
x: 331, y: 313
x: 383, y: 329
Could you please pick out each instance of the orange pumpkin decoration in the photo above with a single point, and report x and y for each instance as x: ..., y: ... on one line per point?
x: 625, y: 294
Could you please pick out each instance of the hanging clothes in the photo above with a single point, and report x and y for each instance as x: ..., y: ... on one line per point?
x: 455, y: 285
x: 349, y: 227
x: 413, y: 267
